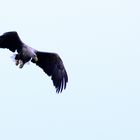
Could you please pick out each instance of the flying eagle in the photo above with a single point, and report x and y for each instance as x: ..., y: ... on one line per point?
x: 51, y: 63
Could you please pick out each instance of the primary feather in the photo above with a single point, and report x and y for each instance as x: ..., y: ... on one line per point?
x: 52, y: 65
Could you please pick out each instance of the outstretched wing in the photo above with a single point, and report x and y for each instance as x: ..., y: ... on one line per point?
x: 11, y: 41
x: 52, y: 65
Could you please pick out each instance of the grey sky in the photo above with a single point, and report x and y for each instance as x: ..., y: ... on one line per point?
x: 99, y: 44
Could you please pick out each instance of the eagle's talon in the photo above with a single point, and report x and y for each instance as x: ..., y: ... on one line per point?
x: 20, y: 61
x: 17, y: 62
x: 21, y: 64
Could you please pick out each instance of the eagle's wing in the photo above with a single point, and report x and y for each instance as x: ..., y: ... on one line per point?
x: 52, y: 65
x: 11, y: 41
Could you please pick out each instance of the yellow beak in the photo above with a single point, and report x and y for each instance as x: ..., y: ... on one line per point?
x: 35, y: 58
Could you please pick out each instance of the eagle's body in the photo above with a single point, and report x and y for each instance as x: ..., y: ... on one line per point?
x: 51, y: 63
x: 25, y: 54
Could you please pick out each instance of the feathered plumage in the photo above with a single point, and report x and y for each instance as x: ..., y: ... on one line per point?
x: 51, y: 63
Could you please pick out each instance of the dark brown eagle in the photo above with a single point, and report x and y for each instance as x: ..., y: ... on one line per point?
x: 51, y: 63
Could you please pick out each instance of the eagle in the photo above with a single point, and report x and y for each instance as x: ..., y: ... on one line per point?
x: 51, y: 63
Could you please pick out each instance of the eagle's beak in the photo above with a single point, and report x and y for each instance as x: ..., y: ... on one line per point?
x: 35, y: 58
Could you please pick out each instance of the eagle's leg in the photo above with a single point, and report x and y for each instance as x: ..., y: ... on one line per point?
x: 17, y: 58
x: 21, y: 63
x: 18, y: 61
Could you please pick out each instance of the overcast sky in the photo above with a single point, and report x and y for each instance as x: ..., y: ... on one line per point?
x: 99, y: 43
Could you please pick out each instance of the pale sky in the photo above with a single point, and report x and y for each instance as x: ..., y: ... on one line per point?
x: 99, y: 43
